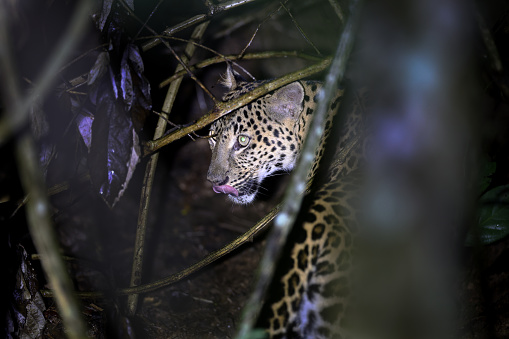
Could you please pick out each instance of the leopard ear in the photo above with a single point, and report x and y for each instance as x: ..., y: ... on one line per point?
x: 231, y: 78
x: 286, y: 102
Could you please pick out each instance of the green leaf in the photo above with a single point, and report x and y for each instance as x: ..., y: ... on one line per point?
x: 493, y: 217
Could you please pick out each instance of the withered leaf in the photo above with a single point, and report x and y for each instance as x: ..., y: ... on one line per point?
x: 134, y: 86
x: 114, y: 151
x: 27, y: 306
x: 103, y: 16
x: 101, y: 66
x: 85, y: 128
x: 122, y: 103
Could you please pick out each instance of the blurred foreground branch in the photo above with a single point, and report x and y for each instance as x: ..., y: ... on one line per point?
x: 15, y: 116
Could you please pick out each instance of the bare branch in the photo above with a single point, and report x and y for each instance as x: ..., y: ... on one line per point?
x: 223, y: 108
x: 148, y: 179
x: 198, y: 19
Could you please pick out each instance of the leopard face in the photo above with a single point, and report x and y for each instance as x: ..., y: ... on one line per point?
x: 258, y: 139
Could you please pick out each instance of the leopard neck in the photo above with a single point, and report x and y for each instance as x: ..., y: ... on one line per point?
x: 311, y: 90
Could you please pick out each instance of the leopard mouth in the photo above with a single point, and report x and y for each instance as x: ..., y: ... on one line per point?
x: 226, y: 189
x: 244, y: 195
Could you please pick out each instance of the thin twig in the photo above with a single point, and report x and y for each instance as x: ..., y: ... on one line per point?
x: 258, y: 28
x: 175, y: 55
x: 146, y: 21
x: 136, y: 273
x: 232, y: 58
x: 53, y: 190
x: 213, y: 51
x: 223, y: 108
x: 293, y: 197
x: 81, y: 56
x: 197, y: 19
x: 301, y: 31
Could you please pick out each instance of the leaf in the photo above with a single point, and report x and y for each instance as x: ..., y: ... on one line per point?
x: 85, y: 128
x: 134, y: 86
x: 28, y: 307
x: 493, y: 217
x: 101, y: 66
x: 40, y: 129
x: 101, y: 18
x: 121, y: 109
x: 126, y: 81
x: 114, y: 151
x: 105, y: 12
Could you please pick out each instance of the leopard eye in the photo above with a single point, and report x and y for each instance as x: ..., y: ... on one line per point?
x: 243, y: 140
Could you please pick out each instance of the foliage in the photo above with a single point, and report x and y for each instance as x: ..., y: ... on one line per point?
x: 493, y: 217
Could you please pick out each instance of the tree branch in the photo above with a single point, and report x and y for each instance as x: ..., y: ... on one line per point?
x: 223, y: 108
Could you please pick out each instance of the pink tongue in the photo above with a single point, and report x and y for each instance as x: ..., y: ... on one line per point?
x: 226, y: 189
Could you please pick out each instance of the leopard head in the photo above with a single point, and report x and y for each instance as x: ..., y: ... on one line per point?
x: 254, y: 141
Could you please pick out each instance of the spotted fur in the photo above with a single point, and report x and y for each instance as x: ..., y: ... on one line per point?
x: 311, y: 290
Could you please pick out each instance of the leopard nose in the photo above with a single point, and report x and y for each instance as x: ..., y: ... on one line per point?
x: 217, y: 179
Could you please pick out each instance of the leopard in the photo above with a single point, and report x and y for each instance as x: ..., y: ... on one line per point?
x: 264, y: 137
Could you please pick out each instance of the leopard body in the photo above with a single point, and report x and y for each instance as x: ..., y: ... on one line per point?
x: 311, y: 288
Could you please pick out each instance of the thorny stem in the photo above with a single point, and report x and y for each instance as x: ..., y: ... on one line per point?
x: 136, y: 273
x: 223, y: 108
x: 293, y: 197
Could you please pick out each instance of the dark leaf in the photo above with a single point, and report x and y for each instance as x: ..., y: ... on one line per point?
x: 101, y: 66
x: 135, y: 59
x: 40, y: 130
x: 126, y: 81
x: 114, y: 151
x: 135, y: 87
x: 101, y: 18
x: 28, y: 306
x: 493, y: 217
x: 47, y: 152
x: 85, y: 128
x: 38, y: 122
x: 105, y: 12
